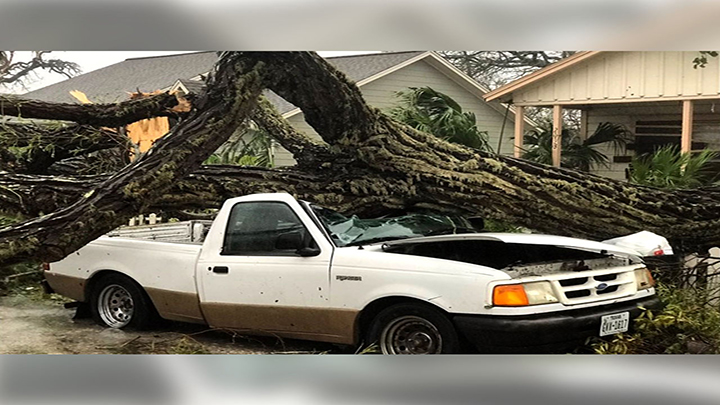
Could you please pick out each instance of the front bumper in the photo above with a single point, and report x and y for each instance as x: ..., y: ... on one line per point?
x: 543, y: 333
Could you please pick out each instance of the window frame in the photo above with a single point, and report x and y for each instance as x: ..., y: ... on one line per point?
x: 278, y: 253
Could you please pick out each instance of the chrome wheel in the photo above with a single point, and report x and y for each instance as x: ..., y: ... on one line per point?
x: 410, y: 335
x: 115, y: 306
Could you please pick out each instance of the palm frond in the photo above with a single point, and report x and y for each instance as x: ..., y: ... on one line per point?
x: 433, y: 112
x: 252, y: 147
x: 576, y: 154
x: 668, y: 168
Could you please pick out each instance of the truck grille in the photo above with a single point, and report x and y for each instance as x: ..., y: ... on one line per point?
x: 600, y: 285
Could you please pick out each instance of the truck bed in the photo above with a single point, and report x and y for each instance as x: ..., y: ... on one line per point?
x: 165, y: 269
x: 185, y: 231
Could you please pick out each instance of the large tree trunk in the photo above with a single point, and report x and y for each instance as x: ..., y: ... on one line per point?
x: 426, y: 171
x: 369, y: 164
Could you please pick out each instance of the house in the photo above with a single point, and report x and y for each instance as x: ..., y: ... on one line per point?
x: 379, y: 76
x: 660, y: 97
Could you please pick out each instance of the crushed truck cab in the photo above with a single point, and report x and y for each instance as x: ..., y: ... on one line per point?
x: 272, y: 265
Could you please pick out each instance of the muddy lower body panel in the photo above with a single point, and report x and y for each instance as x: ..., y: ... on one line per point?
x: 71, y: 287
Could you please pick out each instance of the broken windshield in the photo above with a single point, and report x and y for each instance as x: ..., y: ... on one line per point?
x: 349, y: 231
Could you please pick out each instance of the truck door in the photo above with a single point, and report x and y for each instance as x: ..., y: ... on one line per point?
x: 271, y: 274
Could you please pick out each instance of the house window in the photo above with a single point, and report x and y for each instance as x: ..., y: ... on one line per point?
x: 651, y: 135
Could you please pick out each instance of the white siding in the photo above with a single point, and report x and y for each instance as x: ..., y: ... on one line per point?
x: 381, y: 94
x: 616, y: 116
x: 706, y: 125
x: 626, y: 76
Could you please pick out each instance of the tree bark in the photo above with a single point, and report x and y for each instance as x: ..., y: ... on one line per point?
x: 107, y: 115
x: 306, y: 151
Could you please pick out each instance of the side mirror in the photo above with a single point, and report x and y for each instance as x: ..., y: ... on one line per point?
x: 289, y: 241
x: 308, y: 251
x: 478, y: 223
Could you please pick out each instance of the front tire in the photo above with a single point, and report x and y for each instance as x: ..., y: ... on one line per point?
x: 413, y: 329
x: 118, y: 302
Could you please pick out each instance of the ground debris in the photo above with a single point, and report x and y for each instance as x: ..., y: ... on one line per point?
x: 33, y: 323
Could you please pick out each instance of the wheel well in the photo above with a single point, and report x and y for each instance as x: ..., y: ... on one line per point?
x: 372, y: 309
x: 102, y: 274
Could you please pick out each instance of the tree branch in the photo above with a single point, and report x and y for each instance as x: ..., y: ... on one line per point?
x: 19, y: 70
x: 16, y: 71
x: 209, y: 187
x: 341, y: 102
x: 305, y: 150
x: 42, y: 145
x: 107, y: 115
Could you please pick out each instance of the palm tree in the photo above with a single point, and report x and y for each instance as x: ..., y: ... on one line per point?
x: 251, y: 147
x: 668, y: 168
x: 577, y: 154
x: 434, y: 112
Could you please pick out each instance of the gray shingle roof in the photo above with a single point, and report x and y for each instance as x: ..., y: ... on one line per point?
x: 112, y: 83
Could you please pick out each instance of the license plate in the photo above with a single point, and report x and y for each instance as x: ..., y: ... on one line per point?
x: 615, y: 323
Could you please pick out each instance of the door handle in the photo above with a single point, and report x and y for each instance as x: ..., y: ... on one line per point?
x: 220, y: 269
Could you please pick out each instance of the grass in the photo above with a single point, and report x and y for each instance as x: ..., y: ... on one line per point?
x: 184, y: 344
x: 688, y: 324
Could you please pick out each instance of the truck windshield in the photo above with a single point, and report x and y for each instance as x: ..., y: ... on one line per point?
x: 353, y: 231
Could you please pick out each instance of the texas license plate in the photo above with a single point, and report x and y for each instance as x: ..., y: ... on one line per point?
x: 615, y: 323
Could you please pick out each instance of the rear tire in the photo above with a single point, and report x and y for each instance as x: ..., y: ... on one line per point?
x: 413, y: 329
x: 116, y: 301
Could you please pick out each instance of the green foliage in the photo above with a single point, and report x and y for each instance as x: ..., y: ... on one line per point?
x: 670, y: 169
x: 576, y: 153
x: 436, y: 113
x: 251, y: 147
x: 492, y: 225
x: 687, y: 324
x: 702, y: 59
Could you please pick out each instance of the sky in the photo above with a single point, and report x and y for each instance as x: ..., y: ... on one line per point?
x: 93, y: 60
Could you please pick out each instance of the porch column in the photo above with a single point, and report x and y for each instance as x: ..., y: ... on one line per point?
x: 519, y: 130
x: 557, y: 135
x: 687, y: 125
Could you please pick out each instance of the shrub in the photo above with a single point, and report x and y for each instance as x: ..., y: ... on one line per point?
x: 688, y: 323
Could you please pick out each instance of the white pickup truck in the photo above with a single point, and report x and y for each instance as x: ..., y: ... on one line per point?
x: 414, y: 284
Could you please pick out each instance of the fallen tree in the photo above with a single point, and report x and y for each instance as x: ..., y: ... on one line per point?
x: 368, y: 164
x: 40, y: 146
x: 232, y: 96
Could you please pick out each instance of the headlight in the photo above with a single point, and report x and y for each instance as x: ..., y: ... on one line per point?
x: 643, y: 279
x: 518, y: 295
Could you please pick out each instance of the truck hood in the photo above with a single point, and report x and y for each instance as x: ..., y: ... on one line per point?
x: 523, y: 238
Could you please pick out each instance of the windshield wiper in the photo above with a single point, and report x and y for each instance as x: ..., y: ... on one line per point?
x: 376, y: 240
x: 450, y: 231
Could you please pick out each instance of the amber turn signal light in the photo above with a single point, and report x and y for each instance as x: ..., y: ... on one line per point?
x: 510, y: 296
